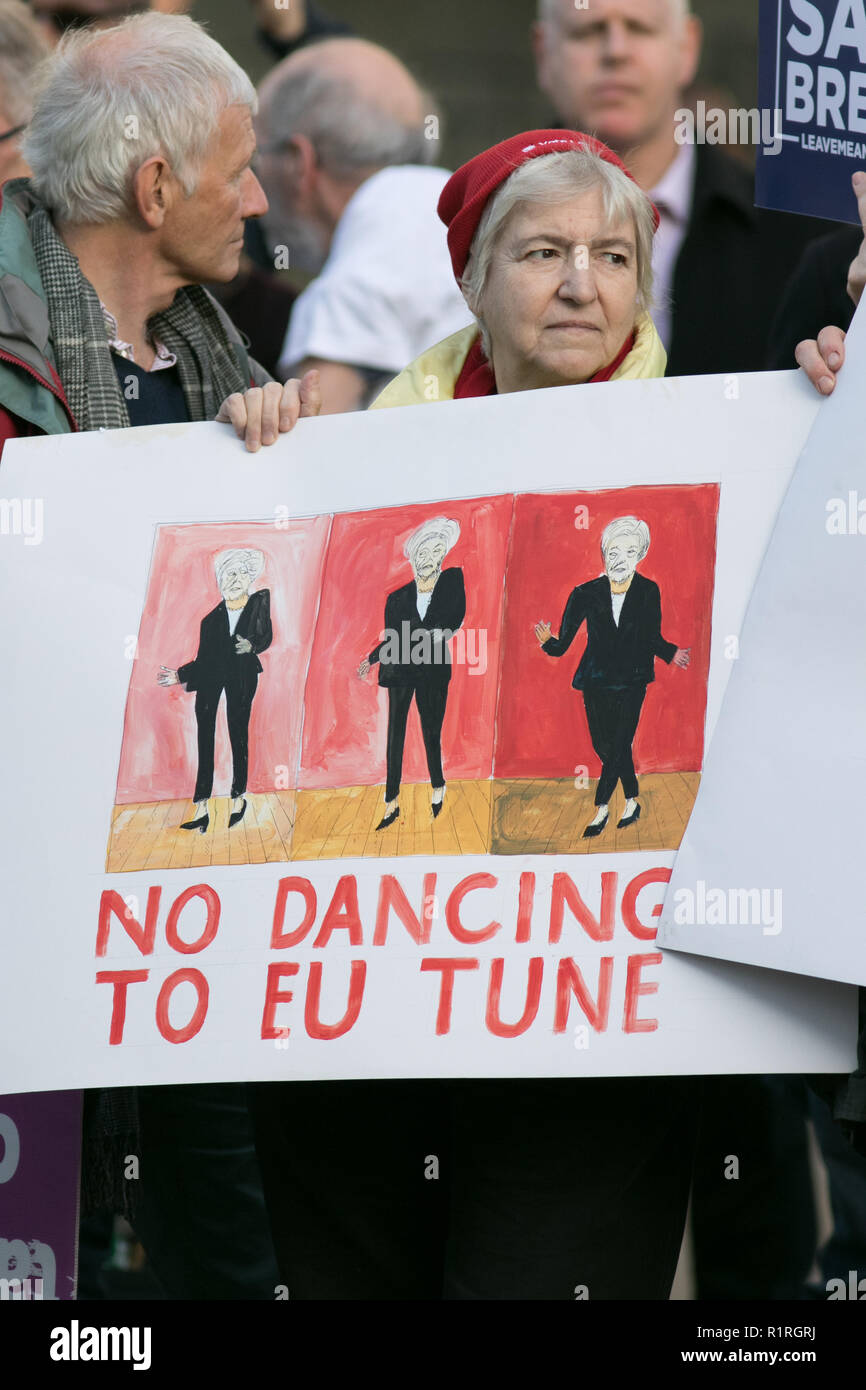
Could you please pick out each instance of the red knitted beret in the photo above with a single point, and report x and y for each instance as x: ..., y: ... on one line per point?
x: 467, y: 192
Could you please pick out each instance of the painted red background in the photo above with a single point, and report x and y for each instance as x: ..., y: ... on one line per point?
x: 158, y: 758
x: 541, y: 724
x: 345, y: 718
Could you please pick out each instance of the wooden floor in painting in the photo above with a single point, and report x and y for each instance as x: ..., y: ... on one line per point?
x: 341, y: 823
x: 148, y: 835
x: 533, y: 816
x: 547, y: 816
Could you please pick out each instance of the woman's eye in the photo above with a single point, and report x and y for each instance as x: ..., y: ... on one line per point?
x: 543, y: 252
x: 615, y: 257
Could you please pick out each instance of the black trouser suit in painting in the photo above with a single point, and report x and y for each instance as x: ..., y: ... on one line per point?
x: 425, y: 681
x: 219, y: 667
x: 615, y: 669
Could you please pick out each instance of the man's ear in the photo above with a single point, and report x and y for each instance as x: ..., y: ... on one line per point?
x: 154, y: 190
x: 690, y: 49
x: 303, y: 161
x: 538, y: 40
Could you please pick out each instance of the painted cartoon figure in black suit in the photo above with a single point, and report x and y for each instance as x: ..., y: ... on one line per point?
x: 623, y: 616
x: 230, y: 639
x: 414, y: 657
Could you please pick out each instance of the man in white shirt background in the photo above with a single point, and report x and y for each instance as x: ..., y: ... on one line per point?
x: 346, y: 137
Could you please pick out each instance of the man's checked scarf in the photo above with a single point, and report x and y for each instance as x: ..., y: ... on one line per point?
x: 208, y: 366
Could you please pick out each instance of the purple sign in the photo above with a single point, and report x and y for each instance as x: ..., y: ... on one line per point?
x: 812, y: 81
x: 40, y: 1157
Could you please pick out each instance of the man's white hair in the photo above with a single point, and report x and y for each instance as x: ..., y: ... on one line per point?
x: 551, y: 10
x: 253, y: 561
x: 557, y: 178
x: 22, y: 49
x: 626, y: 526
x: 110, y: 99
x: 437, y: 528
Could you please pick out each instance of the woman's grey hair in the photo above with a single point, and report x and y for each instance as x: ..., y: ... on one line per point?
x: 110, y: 99
x: 348, y: 130
x: 556, y: 178
x: 626, y: 526
x: 253, y: 561
x: 438, y: 527
x: 22, y: 48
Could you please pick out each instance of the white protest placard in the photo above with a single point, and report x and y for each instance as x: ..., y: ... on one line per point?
x: 778, y: 823
x: 194, y: 638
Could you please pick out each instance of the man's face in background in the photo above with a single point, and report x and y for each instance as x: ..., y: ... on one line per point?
x: 616, y: 68
x: 11, y: 163
x: 290, y: 220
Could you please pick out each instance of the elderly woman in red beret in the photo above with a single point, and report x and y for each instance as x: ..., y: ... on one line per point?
x: 541, y: 1188
x: 551, y: 243
x: 501, y: 1189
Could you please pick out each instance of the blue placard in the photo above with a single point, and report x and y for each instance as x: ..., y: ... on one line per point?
x: 813, y: 78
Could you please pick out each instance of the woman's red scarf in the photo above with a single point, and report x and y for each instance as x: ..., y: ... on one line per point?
x: 476, y: 375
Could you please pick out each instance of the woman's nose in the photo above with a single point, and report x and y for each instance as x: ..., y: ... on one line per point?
x: 578, y: 278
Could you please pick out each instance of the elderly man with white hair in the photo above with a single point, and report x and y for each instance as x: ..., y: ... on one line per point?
x: 231, y: 637
x: 623, y: 616
x: 413, y: 655
x: 140, y: 148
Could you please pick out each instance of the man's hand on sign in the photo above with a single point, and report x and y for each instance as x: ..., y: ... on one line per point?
x: 821, y: 358
x: 262, y: 413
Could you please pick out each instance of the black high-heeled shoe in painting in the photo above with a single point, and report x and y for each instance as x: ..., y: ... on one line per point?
x: 237, y: 815
x: 201, y: 824
x: 389, y: 819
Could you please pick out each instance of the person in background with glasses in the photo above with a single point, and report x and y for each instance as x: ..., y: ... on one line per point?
x: 22, y: 48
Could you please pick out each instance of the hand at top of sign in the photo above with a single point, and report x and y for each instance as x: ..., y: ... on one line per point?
x: 857, y: 268
x: 261, y: 414
x: 821, y: 358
